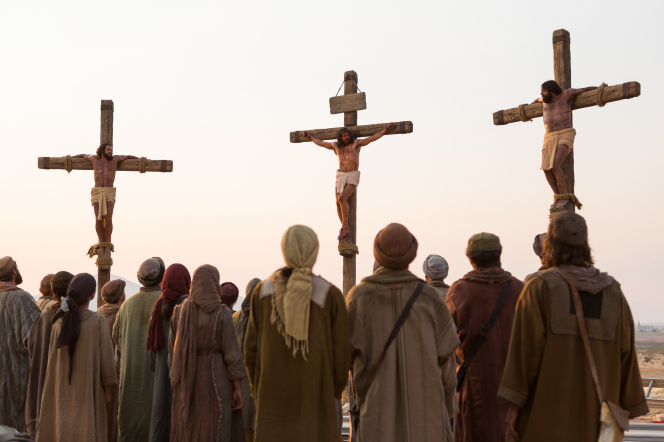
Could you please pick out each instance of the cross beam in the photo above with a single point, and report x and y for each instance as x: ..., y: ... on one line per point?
x: 402, y: 127
x: 126, y: 165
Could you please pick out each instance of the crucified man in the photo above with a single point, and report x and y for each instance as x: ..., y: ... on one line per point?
x: 105, y: 165
x: 559, y: 137
x: 347, y: 150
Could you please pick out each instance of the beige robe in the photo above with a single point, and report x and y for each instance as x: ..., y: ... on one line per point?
x: 77, y: 411
x: 413, y: 395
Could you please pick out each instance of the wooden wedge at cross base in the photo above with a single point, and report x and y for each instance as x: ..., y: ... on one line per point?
x: 126, y: 165
x: 403, y: 127
x: 348, y: 103
x: 617, y: 92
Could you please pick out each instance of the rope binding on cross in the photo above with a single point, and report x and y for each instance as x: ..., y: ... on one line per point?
x: 104, y: 263
x: 348, y: 249
x: 347, y: 77
x: 68, y: 163
x: 141, y: 165
x: 522, y: 113
x: 568, y: 196
x: 598, y: 95
x: 94, y: 249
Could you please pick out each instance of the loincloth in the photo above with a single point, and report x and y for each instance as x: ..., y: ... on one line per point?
x: 103, y: 196
x: 344, y: 178
x: 551, y: 142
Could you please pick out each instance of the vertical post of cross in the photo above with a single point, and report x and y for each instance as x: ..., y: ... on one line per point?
x: 349, y: 265
x: 106, y: 136
x: 562, y: 71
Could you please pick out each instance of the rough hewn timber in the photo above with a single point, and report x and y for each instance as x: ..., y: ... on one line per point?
x: 350, y: 262
x: 348, y: 103
x: 126, y: 165
x: 402, y: 127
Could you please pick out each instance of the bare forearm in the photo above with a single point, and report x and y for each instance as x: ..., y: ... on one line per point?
x: 582, y: 90
x: 539, y: 100
x: 84, y: 156
x: 126, y: 157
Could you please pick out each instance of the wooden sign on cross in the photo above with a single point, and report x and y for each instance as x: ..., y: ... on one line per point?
x: 68, y: 163
x: 349, y: 104
x: 562, y: 69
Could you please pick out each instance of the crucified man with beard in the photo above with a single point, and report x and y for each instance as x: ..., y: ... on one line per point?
x: 347, y: 150
x: 105, y: 165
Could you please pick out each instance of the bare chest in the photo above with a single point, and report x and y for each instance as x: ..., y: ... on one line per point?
x: 557, y: 115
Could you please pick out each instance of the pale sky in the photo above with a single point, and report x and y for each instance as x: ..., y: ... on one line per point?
x: 217, y: 87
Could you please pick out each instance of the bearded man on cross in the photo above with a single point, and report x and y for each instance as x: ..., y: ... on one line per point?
x: 105, y: 166
x: 347, y: 150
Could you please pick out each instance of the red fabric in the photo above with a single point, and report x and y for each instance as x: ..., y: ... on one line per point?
x: 176, y: 283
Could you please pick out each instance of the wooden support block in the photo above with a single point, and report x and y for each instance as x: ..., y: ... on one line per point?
x: 126, y: 165
x: 587, y: 99
x: 403, y: 127
x: 348, y: 103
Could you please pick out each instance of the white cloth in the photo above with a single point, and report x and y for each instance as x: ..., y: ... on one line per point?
x: 344, y: 178
x: 435, y: 267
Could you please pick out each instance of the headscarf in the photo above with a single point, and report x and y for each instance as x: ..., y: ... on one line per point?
x: 111, y: 294
x: 176, y: 283
x: 205, y: 294
x: 292, y: 295
x: 151, y: 272
x: 45, y: 284
x: 435, y: 267
x: 229, y: 294
x: 570, y: 229
x: 395, y: 247
x: 60, y: 283
x: 538, y: 243
x: 246, y: 304
x: 80, y: 290
x: 7, y: 264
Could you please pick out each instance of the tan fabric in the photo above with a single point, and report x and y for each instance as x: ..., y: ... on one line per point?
x: 77, y: 411
x: 45, y: 302
x: 45, y: 284
x: 551, y: 142
x: 412, y: 397
x: 103, y: 196
x: 395, y: 247
x: 290, y: 303
x: 441, y: 287
x: 6, y: 265
x: 344, y: 178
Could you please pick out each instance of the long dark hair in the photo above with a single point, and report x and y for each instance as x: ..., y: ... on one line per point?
x: 102, y: 148
x: 340, y: 142
x: 552, y: 87
x: 555, y: 253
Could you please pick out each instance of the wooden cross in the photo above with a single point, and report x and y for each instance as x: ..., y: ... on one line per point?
x: 562, y: 69
x: 104, y: 261
x: 349, y: 104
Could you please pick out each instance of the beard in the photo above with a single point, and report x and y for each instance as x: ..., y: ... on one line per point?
x: 108, y: 157
x: 19, y: 278
x: 547, y: 98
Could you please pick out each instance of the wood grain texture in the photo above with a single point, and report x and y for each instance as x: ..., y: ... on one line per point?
x: 126, y: 165
x: 350, y: 120
x: 350, y: 80
x: 106, y: 135
x: 586, y: 99
x: 348, y: 103
x: 402, y: 127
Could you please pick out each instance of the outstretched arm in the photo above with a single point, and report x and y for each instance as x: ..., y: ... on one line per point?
x: 376, y: 136
x: 125, y: 157
x: 318, y: 142
x: 539, y: 100
x: 574, y: 92
x: 84, y: 156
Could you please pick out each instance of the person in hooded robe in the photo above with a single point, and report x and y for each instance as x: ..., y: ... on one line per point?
x: 538, y: 243
x: 206, y: 366
x: 39, y: 342
x: 174, y: 290
x: 18, y: 311
x: 113, y: 294
x: 80, y: 370
x: 435, y: 270
x: 410, y: 395
x: 46, y: 299
x: 130, y: 334
x: 229, y: 295
x: 241, y: 320
x: 547, y: 379
x: 296, y: 348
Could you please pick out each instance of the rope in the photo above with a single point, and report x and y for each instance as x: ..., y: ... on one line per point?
x: 94, y: 249
x: 342, y: 83
x: 568, y: 196
x: 104, y: 263
x: 348, y: 249
x: 522, y: 113
x: 142, y: 164
x: 68, y: 163
x: 598, y: 95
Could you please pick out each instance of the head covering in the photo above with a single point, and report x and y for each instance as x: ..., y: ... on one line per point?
x: 376, y: 266
x: 538, y: 243
x: 205, y: 294
x: 7, y: 264
x: 81, y: 288
x: 113, y: 290
x: 151, y: 272
x: 60, y: 283
x: 45, y: 284
x: 292, y: 295
x: 395, y: 247
x: 569, y: 228
x: 229, y: 293
x: 435, y: 267
x: 246, y: 304
x: 484, y: 242
x: 176, y: 283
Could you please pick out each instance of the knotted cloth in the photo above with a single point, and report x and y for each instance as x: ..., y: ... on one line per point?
x: 435, y: 267
x: 569, y: 228
x: 395, y: 247
x: 176, y: 283
x: 568, y: 196
x: 102, y: 196
x: 292, y: 295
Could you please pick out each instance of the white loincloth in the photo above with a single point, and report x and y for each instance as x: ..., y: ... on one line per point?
x: 344, y: 178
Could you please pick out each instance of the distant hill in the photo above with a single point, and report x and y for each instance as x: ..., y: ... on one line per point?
x: 130, y: 289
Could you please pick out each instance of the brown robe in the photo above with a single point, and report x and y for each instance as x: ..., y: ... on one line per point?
x: 547, y: 374
x: 481, y: 415
x: 77, y: 411
x: 110, y: 312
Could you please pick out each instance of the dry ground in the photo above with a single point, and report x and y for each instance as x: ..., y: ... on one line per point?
x: 650, y: 350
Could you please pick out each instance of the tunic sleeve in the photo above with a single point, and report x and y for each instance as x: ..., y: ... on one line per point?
x: 632, y: 397
x: 230, y: 348
x: 526, y: 344
x: 251, y: 339
x: 358, y: 355
x: 447, y: 341
x: 29, y: 314
x: 107, y: 363
x: 340, y: 341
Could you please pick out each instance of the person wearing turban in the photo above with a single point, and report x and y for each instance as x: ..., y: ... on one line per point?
x: 18, y: 312
x: 538, y: 243
x: 296, y: 348
x: 414, y: 386
x: 174, y: 290
x: 435, y: 270
x: 80, y: 370
x: 130, y: 333
x: 206, y: 369
x: 38, y: 345
x: 229, y: 294
x: 46, y: 299
x: 547, y: 377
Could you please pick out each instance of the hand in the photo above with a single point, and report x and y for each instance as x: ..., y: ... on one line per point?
x: 307, y: 134
x: 510, y: 420
x: 237, y: 399
x: 389, y: 127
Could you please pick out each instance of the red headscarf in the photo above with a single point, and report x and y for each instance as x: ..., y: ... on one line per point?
x: 176, y: 283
